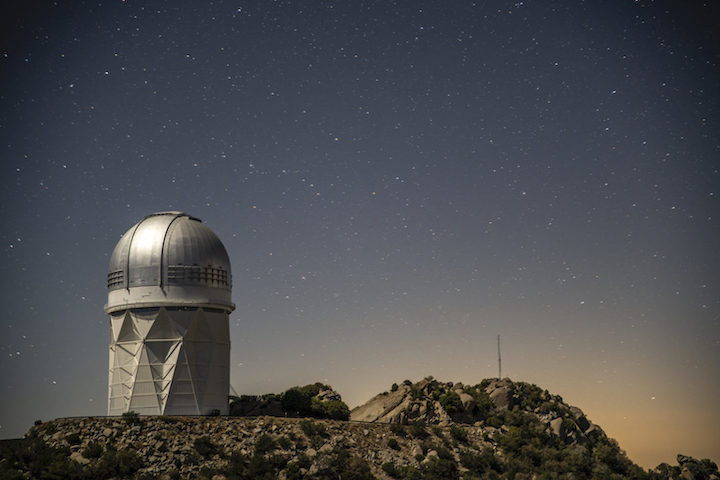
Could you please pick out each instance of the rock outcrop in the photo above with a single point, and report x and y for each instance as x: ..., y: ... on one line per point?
x: 437, y: 403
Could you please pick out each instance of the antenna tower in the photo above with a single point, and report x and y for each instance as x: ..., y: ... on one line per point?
x: 499, y: 360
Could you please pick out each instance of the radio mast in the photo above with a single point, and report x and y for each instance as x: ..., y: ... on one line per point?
x: 499, y: 360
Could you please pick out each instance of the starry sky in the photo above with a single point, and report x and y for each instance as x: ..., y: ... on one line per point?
x: 396, y: 183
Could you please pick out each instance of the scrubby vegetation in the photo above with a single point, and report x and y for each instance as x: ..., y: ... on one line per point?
x: 35, y: 457
x: 315, y: 400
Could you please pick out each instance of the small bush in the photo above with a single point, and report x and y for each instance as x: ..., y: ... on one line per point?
x: 438, y: 467
x: 391, y: 470
x: 304, y: 461
x: 343, y: 465
x: 73, y: 438
x: 284, y: 443
x: 92, y: 450
x: 394, y: 388
x: 451, y: 402
x: 494, y: 421
x: 296, y: 402
x: 205, y: 447
x: 173, y: 474
x: 334, y: 409
x: 417, y: 430
x: 392, y: 443
x: 437, y: 431
x: 117, y: 463
x: 256, y: 467
x: 458, y: 433
x: 568, y: 424
x: 312, y: 429
x: 398, y: 430
x: 407, y: 382
x: 264, y: 444
x: 131, y: 418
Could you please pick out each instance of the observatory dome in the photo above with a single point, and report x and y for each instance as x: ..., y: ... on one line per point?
x: 169, y: 258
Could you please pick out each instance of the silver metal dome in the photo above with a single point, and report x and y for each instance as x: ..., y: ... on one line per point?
x: 169, y: 258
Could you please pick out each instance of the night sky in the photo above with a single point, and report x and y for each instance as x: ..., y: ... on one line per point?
x: 396, y: 183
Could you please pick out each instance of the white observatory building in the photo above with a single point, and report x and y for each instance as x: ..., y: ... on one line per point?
x: 169, y: 297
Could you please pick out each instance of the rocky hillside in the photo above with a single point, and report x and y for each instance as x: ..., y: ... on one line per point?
x: 426, y: 430
x: 486, y: 404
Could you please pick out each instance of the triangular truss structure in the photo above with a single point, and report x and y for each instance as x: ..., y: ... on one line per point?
x: 169, y: 361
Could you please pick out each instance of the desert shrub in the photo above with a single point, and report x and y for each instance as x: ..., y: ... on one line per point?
x: 343, y: 465
x: 607, y: 452
x: 173, y: 474
x: 512, y: 440
x: 258, y: 467
x: 300, y: 444
x: 315, y: 432
x: 296, y: 402
x: 494, y: 421
x: 117, y: 463
x: 417, y: 430
x: 284, y: 442
x: 481, y: 462
x: 451, y: 402
x: 337, y: 410
x: 407, y: 382
x: 529, y: 395
x: 205, y: 447
x: 458, y: 433
x: 293, y: 470
x: 131, y: 418
x: 303, y: 401
x: 38, y: 422
x: 483, y: 405
x: 398, y: 430
x: 334, y: 409
x: 568, y: 424
x: 440, y: 468
x: 485, y: 383
x: 264, y: 444
x: 545, y: 407
x: 312, y: 429
x: 304, y: 461
x: 437, y: 431
x: 37, y: 459
x: 392, y: 443
x: 92, y: 450
x: 444, y: 453
x: 391, y: 470
x: 73, y: 438
x: 313, y: 389
x: 394, y: 387
x: 205, y: 473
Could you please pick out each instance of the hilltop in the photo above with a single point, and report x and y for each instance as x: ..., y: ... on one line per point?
x: 419, y: 431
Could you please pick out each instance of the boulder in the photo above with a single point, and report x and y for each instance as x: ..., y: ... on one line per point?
x: 383, y: 408
x: 468, y: 402
x: 501, y: 393
x: 556, y: 426
x: 77, y: 456
x: 580, y: 418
